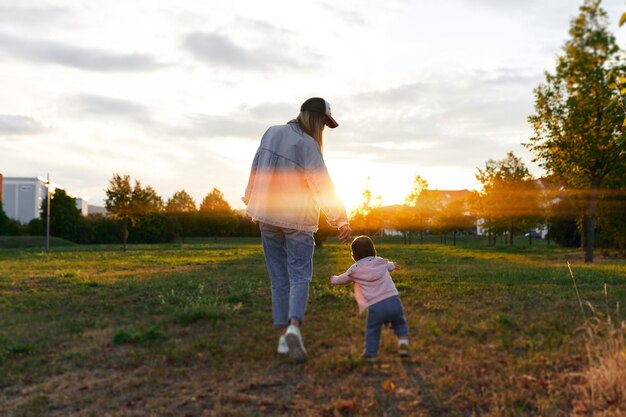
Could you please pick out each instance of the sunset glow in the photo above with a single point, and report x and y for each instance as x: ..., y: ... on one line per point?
x: 181, y: 100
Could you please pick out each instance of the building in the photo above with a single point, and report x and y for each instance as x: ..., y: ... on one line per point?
x: 22, y: 197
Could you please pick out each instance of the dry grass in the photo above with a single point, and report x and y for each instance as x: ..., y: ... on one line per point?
x: 602, y: 383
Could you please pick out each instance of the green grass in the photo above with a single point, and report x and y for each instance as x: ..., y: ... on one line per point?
x: 37, y: 242
x: 186, y: 329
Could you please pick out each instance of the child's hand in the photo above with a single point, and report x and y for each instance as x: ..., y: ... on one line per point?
x: 396, y: 267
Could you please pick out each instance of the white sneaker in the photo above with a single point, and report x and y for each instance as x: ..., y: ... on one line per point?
x: 283, y: 349
x: 297, y: 352
x: 403, y: 347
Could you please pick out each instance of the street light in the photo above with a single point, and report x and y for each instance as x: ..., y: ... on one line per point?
x: 48, y: 215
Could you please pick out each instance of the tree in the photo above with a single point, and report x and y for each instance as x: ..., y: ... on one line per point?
x: 364, y: 217
x: 578, y: 122
x: 509, y: 197
x: 145, y: 200
x: 4, y: 220
x: 65, y: 217
x: 216, y: 216
x: 127, y: 203
x: 454, y: 216
x: 119, y: 203
x: 183, y: 208
x: 421, y: 207
x: 181, y: 202
x: 214, y: 202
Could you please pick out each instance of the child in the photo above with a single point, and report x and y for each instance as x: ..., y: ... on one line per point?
x: 374, y: 289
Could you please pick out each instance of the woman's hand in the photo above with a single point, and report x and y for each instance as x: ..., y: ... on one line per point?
x: 345, y: 233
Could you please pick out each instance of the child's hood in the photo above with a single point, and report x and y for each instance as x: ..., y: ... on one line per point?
x: 369, y: 269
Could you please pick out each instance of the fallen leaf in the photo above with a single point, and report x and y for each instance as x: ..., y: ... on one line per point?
x: 579, y: 408
x: 348, y: 405
x: 388, y: 385
x: 241, y: 398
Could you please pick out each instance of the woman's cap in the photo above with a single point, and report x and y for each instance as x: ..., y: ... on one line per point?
x: 319, y: 105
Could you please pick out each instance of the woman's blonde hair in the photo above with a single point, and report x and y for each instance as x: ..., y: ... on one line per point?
x: 312, y: 123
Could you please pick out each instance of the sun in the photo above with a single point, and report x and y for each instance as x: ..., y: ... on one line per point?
x: 390, y: 182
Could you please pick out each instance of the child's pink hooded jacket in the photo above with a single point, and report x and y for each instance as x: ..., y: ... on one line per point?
x: 372, y: 281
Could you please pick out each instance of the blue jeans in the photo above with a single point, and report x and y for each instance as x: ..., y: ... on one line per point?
x: 388, y: 311
x: 289, y: 260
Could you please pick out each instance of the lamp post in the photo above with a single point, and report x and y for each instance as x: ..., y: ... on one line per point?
x: 48, y: 215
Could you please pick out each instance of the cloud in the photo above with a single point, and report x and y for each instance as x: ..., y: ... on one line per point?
x: 101, y: 106
x: 401, y: 94
x: 221, y: 50
x: 351, y: 16
x: 20, y: 125
x: 448, y: 119
x: 75, y: 56
x: 20, y: 16
x: 198, y: 126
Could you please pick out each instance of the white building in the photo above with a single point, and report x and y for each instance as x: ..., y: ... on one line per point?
x: 22, y: 197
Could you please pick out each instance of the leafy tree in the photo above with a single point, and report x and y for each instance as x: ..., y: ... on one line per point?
x: 454, y: 217
x: 214, y: 202
x: 421, y: 207
x: 145, y: 200
x: 578, y: 121
x: 119, y: 203
x: 65, y: 217
x: 181, y: 202
x: 127, y: 203
x: 364, y: 218
x: 509, y: 197
x: 562, y: 222
x: 216, y: 217
x: 4, y: 220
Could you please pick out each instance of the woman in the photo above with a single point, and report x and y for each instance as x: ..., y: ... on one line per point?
x: 288, y: 185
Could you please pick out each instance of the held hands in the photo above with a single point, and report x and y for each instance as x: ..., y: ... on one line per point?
x: 345, y: 233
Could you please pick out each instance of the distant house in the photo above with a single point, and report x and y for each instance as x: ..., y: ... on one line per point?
x: 22, y: 197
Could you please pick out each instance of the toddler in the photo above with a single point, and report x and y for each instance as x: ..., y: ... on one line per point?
x: 374, y: 289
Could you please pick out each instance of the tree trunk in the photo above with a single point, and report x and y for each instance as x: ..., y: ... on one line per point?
x: 454, y: 238
x: 511, y: 236
x: 124, y: 234
x: 590, y: 223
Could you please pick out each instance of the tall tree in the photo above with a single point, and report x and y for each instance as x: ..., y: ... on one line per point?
x: 421, y: 207
x: 64, y: 215
x: 181, y: 202
x: 145, y: 200
x: 4, y: 220
x: 214, y: 202
x: 119, y: 202
x: 363, y: 217
x: 510, y: 197
x: 578, y: 122
x: 216, y: 215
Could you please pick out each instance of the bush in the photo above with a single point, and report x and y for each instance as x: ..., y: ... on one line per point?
x: 153, y: 228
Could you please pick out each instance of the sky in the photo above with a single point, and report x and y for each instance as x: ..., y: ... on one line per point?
x: 177, y: 94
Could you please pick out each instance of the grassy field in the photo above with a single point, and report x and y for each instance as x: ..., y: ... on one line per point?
x: 185, y: 330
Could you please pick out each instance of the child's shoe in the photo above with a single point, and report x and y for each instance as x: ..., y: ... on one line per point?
x: 283, y: 349
x: 403, y: 348
x: 369, y: 359
x: 293, y: 338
